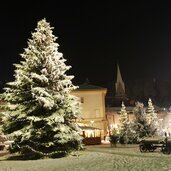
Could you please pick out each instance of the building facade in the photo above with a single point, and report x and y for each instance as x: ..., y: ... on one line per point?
x: 93, y: 112
x: 113, y: 112
x: 96, y: 116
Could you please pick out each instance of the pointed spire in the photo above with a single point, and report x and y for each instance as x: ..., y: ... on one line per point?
x: 119, y: 77
x: 119, y: 85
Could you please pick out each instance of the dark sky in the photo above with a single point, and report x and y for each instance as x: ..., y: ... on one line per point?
x: 93, y: 37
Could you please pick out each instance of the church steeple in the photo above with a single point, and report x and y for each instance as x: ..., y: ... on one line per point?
x: 119, y: 85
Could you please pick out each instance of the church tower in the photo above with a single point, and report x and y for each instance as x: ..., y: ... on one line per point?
x: 119, y: 87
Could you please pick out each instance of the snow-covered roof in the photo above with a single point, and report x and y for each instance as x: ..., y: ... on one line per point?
x: 84, y: 128
x: 90, y: 87
x: 87, y: 86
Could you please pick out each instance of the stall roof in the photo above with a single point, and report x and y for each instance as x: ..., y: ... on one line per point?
x: 84, y: 128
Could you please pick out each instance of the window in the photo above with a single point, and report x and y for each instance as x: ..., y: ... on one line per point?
x: 81, y: 99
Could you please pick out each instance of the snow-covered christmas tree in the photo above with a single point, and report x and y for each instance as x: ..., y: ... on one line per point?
x: 152, y: 116
x: 141, y: 125
x: 123, y: 118
x: 126, y: 134
x: 41, y: 112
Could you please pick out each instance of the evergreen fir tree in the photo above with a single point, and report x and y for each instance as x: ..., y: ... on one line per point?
x: 126, y: 133
x: 152, y: 117
x: 123, y: 118
x: 41, y: 112
x: 141, y: 125
x: 123, y: 126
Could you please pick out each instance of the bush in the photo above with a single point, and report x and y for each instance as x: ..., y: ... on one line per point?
x: 114, y: 139
x: 122, y: 140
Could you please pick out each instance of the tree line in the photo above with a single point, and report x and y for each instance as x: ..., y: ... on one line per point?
x: 145, y: 124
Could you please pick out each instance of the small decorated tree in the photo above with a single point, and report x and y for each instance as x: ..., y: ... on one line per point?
x: 123, y: 126
x: 152, y: 118
x: 126, y: 133
x: 141, y: 126
x: 123, y: 118
x: 114, y: 137
x: 40, y: 111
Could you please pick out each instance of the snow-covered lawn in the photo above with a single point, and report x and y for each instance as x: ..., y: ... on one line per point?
x: 97, y: 158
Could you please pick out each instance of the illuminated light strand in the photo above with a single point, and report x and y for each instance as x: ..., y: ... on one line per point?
x: 43, y: 154
x: 36, y: 143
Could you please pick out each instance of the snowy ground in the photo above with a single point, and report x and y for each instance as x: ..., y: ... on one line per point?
x: 97, y: 158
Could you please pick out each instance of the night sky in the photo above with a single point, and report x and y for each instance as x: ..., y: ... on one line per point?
x: 93, y: 37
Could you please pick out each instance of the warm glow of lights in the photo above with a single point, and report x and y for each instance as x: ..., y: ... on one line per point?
x: 91, y: 122
x: 113, y: 126
x: 92, y: 133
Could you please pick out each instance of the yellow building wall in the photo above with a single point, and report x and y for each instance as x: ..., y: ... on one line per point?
x: 93, y: 108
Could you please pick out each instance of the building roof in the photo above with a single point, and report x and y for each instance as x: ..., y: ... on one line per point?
x: 85, y: 128
x: 88, y: 86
